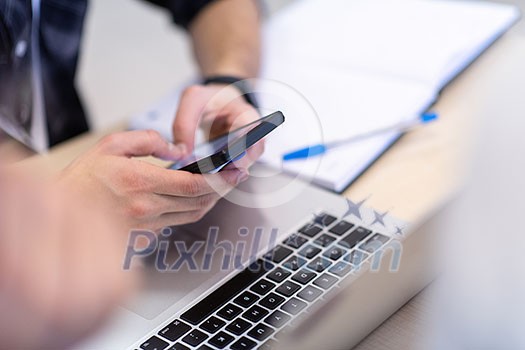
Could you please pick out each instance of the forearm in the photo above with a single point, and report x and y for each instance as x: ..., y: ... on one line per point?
x: 226, y: 38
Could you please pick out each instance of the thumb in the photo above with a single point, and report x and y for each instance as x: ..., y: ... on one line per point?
x: 141, y: 143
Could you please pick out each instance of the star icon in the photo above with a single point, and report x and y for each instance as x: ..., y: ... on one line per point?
x: 400, y: 231
x: 379, y: 218
x: 354, y: 208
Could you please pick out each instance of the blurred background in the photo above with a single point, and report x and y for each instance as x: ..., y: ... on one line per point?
x: 133, y: 54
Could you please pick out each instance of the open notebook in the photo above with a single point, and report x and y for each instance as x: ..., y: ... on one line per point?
x: 342, y: 67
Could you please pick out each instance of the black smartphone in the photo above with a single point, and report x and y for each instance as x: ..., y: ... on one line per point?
x: 214, y: 155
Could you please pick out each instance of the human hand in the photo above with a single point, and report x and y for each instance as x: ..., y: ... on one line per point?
x: 217, y: 109
x: 61, y: 261
x: 146, y: 195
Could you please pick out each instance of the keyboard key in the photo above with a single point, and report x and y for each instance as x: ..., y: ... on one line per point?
x: 278, y: 275
x: 310, y: 251
x: 295, y: 241
x: 293, y: 306
x: 310, y: 230
x: 356, y: 257
x: 221, y: 340
x: 255, y: 313
x: 355, y: 237
x: 319, y: 264
x: 324, y: 240
x: 175, y: 330
x: 243, y: 344
x: 219, y: 297
x: 179, y: 346
x: 288, y: 288
x: 324, y: 219
x: 341, y: 228
x: 294, y: 263
x: 341, y: 269
x: 310, y: 293
x: 239, y: 326
x: 212, y: 324
x: 154, y: 343
x: 374, y: 243
x: 278, y: 254
x: 334, y: 253
x: 246, y: 299
x: 262, y: 287
x: 304, y: 276
x: 195, y: 337
x: 271, y: 301
x: 269, y: 345
x: 261, y: 332
x: 325, y: 281
x: 277, y: 319
x: 229, y: 312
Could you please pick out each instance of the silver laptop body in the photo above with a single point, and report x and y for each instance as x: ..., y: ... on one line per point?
x: 241, y: 230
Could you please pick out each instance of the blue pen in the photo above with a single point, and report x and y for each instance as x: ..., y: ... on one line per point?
x: 317, y: 150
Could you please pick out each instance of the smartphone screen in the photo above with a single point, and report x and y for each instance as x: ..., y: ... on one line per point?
x: 231, y: 145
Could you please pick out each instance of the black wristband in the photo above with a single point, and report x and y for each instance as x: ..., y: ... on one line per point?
x: 239, y: 83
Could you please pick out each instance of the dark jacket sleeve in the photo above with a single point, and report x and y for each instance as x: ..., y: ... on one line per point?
x: 182, y: 11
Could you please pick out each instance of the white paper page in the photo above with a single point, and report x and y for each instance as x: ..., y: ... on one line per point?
x: 346, y: 103
x: 411, y: 39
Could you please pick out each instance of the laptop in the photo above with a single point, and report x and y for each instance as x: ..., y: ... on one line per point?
x: 264, y: 267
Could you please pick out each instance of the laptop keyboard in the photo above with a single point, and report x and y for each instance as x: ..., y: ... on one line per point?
x: 253, y: 309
